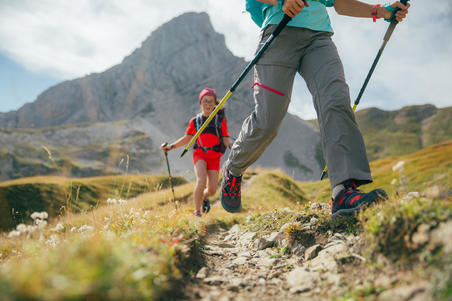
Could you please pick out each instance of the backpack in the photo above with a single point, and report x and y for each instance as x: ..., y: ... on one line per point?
x: 216, y: 129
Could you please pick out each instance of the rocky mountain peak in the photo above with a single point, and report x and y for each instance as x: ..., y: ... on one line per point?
x: 154, y: 92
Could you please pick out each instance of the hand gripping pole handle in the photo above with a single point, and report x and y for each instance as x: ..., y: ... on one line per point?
x: 393, y: 24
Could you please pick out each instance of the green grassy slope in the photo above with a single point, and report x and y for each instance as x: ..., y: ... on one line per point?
x: 404, y: 131
x: 423, y: 169
x: 58, y: 195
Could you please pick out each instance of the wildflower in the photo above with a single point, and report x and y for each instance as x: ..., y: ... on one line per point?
x: 57, y: 228
x: 412, y: 195
x: 41, y: 224
x: 398, y: 166
x: 13, y: 234
x: 394, y: 181
x: 39, y: 215
x: 21, y: 228
x: 121, y: 201
x: 111, y: 201
x: 53, y: 241
x: 172, y: 213
x: 73, y: 229
x: 85, y: 228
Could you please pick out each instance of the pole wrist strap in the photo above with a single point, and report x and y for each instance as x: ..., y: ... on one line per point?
x: 374, y: 12
x: 388, y: 7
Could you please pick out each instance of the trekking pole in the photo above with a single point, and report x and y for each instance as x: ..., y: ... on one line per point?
x: 169, y: 175
x: 256, y: 58
x: 386, y: 38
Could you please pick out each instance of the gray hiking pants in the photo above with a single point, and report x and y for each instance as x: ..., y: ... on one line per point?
x: 314, y: 56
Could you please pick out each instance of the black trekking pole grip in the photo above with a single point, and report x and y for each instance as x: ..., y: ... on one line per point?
x: 404, y: 2
x: 286, y: 19
x: 166, y: 156
x: 394, y: 22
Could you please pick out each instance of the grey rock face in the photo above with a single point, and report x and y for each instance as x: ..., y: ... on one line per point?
x: 155, y: 90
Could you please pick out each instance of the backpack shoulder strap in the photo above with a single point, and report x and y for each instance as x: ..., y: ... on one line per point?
x: 198, y: 121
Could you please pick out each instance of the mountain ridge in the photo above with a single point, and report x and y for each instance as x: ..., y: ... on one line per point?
x: 403, y: 131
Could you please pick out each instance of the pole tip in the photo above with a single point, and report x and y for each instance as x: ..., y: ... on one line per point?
x: 323, y: 174
x: 183, y: 153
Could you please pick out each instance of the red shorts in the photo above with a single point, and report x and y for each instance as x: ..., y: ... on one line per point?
x: 212, y: 164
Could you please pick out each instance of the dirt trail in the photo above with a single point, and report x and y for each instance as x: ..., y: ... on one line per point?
x: 241, y: 266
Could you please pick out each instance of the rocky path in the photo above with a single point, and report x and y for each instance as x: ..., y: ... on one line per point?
x: 241, y: 266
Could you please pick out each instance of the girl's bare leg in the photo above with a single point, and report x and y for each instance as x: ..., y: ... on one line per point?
x: 201, y: 180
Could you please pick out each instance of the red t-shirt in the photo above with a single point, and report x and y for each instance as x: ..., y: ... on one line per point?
x: 207, y: 139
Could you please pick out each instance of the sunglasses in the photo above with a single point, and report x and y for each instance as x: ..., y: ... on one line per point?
x: 208, y: 101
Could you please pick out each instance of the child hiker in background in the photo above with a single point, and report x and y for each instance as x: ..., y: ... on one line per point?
x: 305, y: 46
x: 208, y: 149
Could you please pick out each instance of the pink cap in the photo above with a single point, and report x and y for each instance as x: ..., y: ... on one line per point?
x: 205, y: 92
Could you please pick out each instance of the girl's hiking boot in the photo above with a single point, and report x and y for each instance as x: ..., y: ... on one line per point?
x: 350, y: 200
x: 197, y: 213
x: 230, y: 192
x: 205, y: 205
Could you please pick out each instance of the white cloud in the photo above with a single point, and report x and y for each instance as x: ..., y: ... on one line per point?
x: 69, y: 39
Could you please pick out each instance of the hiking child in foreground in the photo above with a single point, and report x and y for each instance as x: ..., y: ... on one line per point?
x: 208, y: 149
x: 305, y: 46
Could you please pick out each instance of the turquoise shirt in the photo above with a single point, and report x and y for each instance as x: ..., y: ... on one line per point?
x: 314, y: 17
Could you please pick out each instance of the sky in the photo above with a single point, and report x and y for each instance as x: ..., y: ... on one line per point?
x: 44, y: 42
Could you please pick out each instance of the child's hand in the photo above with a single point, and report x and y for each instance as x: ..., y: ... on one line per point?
x: 227, y: 142
x: 293, y: 7
x: 399, y: 16
x: 167, y: 147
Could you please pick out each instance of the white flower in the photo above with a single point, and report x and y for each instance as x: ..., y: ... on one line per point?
x: 85, y: 228
x: 31, y: 229
x: 39, y: 215
x: 13, y: 233
x: 172, y: 213
x: 21, y: 228
x: 394, y: 181
x: 398, y: 166
x: 57, y: 228
x: 111, y: 201
x: 41, y: 224
x: 54, y: 239
x: 121, y: 201
x: 412, y: 195
x: 73, y: 229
